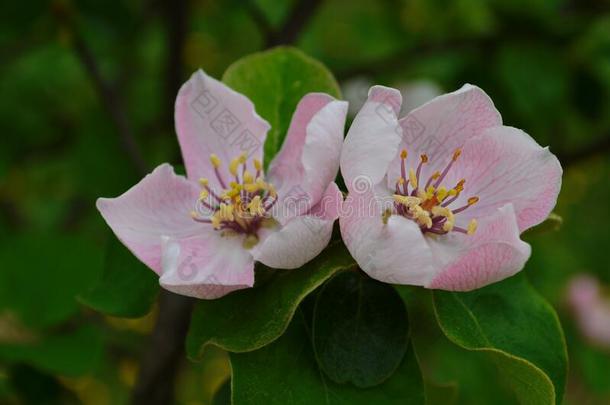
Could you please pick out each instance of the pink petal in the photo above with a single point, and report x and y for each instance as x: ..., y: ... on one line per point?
x: 493, y: 253
x: 309, y: 159
x: 505, y: 165
x: 591, y: 309
x: 442, y: 125
x: 303, y: 237
x: 158, y: 206
x: 372, y: 140
x: 212, y: 118
x: 392, y: 253
x: 206, y: 266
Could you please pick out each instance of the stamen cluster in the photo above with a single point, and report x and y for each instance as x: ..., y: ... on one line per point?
x: 243, y: 205
x: 428, y: 204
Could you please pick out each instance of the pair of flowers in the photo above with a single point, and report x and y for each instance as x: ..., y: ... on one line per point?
x: 437, y: 198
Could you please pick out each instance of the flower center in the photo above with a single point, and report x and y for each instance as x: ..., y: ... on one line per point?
x: 242, y: 207
x: 429, y: 204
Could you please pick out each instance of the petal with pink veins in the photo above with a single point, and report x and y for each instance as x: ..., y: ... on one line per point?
x: 493, y: 253
x: 505, y: 165
x: 303, y: 237
x: 442, y: 125
x: 373, y: 138
x: 207, y: 266
x: 309, y: 159
x: 211, y: 118
x: 396, y: 252
x: 158, y: 206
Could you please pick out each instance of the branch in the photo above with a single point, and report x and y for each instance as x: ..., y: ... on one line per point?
x: 160, y: 362
x: 298, y: 19
x: 108, y: 95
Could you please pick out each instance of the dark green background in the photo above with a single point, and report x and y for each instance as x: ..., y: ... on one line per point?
x: 545, y: 63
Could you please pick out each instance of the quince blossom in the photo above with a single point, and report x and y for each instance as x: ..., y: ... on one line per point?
x: 203, y: 233
x: 439, y: 197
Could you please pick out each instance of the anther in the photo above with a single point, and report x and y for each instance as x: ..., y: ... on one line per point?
x: 215, y: 160
x: 472, y: 226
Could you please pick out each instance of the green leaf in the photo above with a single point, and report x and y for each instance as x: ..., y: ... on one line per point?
x: 551, y: 224
x: 127, y: 288
x: 275, y: 81
x: 517, y: 328
x: 286, y: 372
x: 42, y: 274
x: 360, y: 330
x: 249, y: 319
x: 73, y: 353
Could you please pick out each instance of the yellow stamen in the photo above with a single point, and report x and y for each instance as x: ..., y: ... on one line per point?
x: 258, y: 165
x: 448, y: 226
x: 424, y: 158
x: 248, y: 178
x: 204, y: 194
x: 401, y: 181
x: 386, y: 215
x: 203, y: 182
x: 473, y: 200
x: 407, y: 201
x: 421, y: 216
x: 242, y: 158
x: 439, y: 211
x: 226, y: 212
x: 216, y: 220
x: 251, y: 188
x: 436, y: 175
x: 460, y: 186
x: 256, y: 206
x: 457, y: 154
x: 472, y: 226
x: 215, y: 160
x: 272, y: 191
x: 233, y: 166
x: 194, y: 214
x: 412, y: 178
x: 403, y: 154
x: 430, y: 192
x: 441, y: 194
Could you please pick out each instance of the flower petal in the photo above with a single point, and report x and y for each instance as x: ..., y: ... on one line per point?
x: 394, y: 253
x: 591, y: 309
x: 442, y: 125
x: 159, y: 205
x: 309, y: 159
x: 372, y: 140
x: 303, y: 237
x: 206, y: 266
x: 213, y: 118
x: 505, y: 165
x: 493, y: 253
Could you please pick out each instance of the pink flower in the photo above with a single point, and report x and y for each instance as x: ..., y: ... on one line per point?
x: 439, y: 197
x: 202, y: 234
x: 591, y: 309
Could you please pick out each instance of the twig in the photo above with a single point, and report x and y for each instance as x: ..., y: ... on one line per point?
x: 165, y: 351
x: 298, y: 19
x: 259, y: 19
x: 108, y: 95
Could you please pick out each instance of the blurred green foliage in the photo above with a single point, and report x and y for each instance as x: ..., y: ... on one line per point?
x: 545, y: 63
